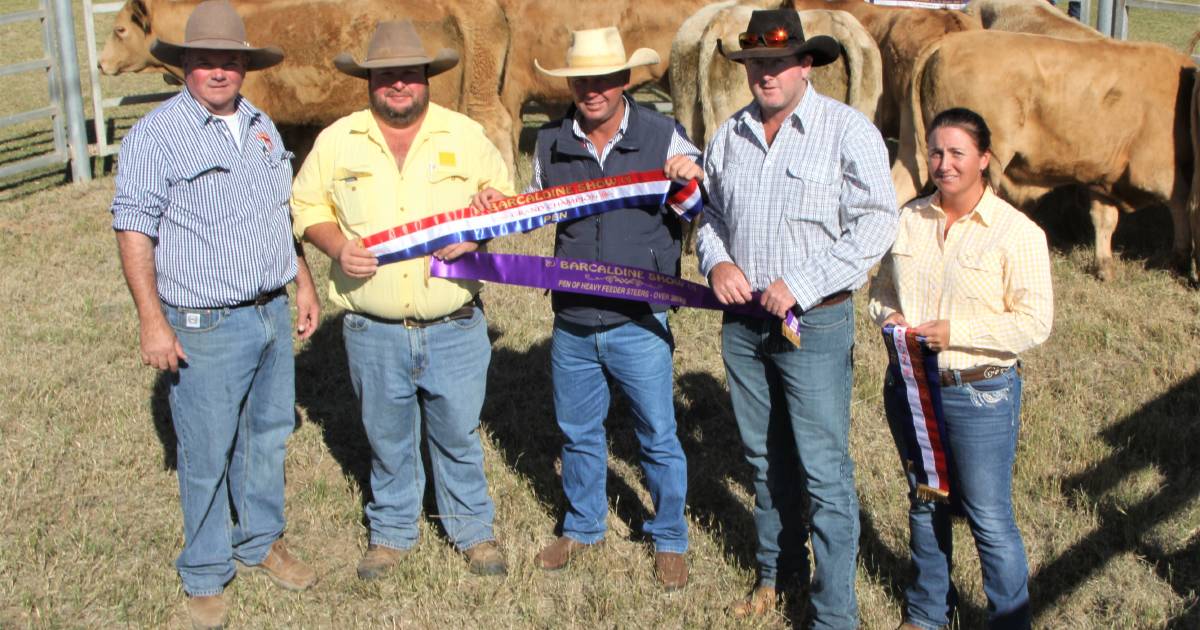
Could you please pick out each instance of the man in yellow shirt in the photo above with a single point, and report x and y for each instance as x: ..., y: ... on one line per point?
x: 417, y: 346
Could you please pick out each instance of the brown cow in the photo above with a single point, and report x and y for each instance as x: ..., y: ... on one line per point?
x: 901, y: 33
x: 1111, y: 116
x: 1029, y: 16
x: 306, y: 89
x: 541, y: 30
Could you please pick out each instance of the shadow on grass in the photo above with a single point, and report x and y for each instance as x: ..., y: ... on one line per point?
x: 323, y: 389
x: 160, y: 412
x: 1163, y: 434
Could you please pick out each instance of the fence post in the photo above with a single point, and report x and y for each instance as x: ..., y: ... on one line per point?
x: 81, y: 164
x: 1104, y: 21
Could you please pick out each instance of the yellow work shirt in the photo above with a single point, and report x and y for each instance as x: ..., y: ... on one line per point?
x: 350, y: 178
x: 989, y: 276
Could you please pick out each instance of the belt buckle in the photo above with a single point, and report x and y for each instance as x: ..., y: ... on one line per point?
x: 992, y: 371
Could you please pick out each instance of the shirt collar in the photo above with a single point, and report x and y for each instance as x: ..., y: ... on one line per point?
x: 202, y: 116
x: 984, y: 211
x: 436, y: 121
x: 803, y: 116
x: 578, y: 130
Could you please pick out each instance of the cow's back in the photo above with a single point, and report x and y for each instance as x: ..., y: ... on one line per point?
x: 1029, y: 16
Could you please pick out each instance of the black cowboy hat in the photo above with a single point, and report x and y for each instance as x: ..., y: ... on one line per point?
x: 823, y: 48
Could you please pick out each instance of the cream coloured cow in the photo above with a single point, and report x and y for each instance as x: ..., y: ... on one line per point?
x: 1112, y: 116
x: 1030, y: 16
x: 721, y: 87
x: 306, y: 90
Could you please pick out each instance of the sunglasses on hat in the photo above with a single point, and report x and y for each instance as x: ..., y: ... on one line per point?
x: 775, y: 38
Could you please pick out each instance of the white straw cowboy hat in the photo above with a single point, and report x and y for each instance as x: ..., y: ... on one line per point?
x: 396, y: 45
x: 215, y: 25
x: 597, y: 52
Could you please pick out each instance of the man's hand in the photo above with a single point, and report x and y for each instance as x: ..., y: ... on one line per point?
x: 357, y: 261
x: 482, y: 201
x: 729, y: 284
x: 681, y: 168
x: 936, y: 333
x: 777, y: 299
x: 161, y: 349
x: 450, y: 252
x: 308, y: 310
x: 896, y: 319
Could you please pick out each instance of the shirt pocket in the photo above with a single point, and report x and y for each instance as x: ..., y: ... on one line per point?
x: 201, y: 190
x: 979, y: 275
x: 354, y: 189
x: 811, y: 201
x: 451, y: 187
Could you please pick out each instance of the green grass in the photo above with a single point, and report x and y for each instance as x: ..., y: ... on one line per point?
x: 1105, y: 490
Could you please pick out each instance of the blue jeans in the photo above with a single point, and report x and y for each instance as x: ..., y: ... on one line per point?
x: 403, y: 376
x: 638, y: 357
x: 233, y: 408
x: 793, y: 411
x: 982, y: 422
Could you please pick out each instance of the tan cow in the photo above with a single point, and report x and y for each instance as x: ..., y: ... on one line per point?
x: 306, y: 89
x: 1111, y: 116
x: 1029, y: 16
x: 855, y: 78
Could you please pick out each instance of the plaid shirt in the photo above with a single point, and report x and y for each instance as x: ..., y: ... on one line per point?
x: 990, y: 277
x: 815, y: 208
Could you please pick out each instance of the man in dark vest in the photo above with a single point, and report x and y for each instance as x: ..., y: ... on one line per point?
x: 604, y: 134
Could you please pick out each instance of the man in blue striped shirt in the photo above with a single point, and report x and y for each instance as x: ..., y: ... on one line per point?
x: 800, y: 207
x: 203, y: 227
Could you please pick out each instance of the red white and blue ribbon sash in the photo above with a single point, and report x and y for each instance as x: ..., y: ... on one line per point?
x: 922, y: 422
x: 527, y: 212
x: 592, y: 277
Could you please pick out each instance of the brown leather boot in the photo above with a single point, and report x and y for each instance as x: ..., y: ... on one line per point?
x: 207, y: 612
x: 671, y: 570
x: 283, y: 569
x: 378, y: 561
x: 557, y: 555
x: 757, y: 604
x: 486, y: 559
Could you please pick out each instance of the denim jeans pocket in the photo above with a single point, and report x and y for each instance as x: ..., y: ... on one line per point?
x: 194, y: 320
x: 469, y: 322
x: 824, y: 318
x: 353, y: 322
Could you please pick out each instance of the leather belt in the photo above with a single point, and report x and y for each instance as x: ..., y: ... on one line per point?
x: 971, y: 375
x: 835, y: 298
x: 261, y: 300
x: 466, y: 311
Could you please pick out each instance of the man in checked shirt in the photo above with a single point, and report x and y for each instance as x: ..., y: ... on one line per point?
x: 801, y: 206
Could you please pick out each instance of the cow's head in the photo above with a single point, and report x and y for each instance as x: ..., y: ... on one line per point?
x: 128, y: 46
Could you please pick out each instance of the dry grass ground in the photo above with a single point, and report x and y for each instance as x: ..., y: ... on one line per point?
x: 1106, y: 491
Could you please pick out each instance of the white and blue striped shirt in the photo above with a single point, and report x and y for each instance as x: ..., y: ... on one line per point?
x: 219, y: 216
x: 815, y: 208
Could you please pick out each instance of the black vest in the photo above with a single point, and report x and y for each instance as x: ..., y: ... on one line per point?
x: 645, y: 237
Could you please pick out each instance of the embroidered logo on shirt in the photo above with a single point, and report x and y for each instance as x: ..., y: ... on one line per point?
x: 445, y: 158
x: 266, y: 140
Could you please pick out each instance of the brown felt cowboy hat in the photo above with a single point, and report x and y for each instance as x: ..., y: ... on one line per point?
x: 396, y: 45
x: 215, y: 25
x: 599, y: 51
x: 778, y: 33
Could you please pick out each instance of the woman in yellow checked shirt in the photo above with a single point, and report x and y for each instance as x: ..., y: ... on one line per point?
x: 971, y: 274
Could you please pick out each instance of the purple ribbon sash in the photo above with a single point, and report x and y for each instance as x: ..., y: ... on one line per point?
x: 603, y: 279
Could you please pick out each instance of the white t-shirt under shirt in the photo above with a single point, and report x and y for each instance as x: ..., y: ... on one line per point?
x: 234, y: 124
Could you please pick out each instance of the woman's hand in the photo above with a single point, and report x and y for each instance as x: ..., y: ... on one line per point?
x: 936, y: 333
x: 896, y: 319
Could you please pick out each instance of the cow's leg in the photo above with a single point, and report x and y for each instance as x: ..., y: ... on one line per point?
x: 1183, y: 218
x: 1104, y: 222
